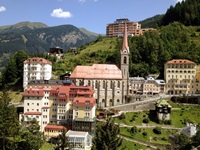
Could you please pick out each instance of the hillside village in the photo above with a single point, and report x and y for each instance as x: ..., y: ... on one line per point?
x: 72, y: 102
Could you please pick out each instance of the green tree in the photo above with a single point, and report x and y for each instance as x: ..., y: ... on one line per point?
x: 20, y: 57
x: 10, y: 72
x: 180, y: 142
x: 134, y: 130
x: 32, y: 138
x: 9, y: 124
x: 106, y: 137
x: 63, y: 141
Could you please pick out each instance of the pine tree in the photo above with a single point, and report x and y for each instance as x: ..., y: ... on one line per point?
x: 106, y: 137
x: 9, y: 124
x: 63, y: 141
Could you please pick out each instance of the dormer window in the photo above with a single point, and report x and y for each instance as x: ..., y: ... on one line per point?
x: 77, y: 102
x: 87, y: 102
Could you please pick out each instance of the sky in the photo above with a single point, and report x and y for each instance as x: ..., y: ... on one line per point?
x: 92, y: 15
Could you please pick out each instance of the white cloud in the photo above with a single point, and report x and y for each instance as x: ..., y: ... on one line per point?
x: 179, y: 1
x: 83, y: 1
x: 59, y: 13
x: 2, y: 8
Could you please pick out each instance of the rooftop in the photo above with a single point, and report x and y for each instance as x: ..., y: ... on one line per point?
x: 180, y: 61
x: 97, y: 71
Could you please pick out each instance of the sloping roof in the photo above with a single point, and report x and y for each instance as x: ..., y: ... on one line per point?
x: 97, y: 71
x: 37, y: 60
x: 189, y: 130
x: 162, y: 102
x: 180, y: 61
x: 71, y: 133
x: 84, y: 101
x: 32, y: 113
x: 54, y: 127
x: 125, y: 40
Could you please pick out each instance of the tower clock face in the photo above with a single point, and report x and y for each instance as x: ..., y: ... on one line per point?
x: 125, y: 51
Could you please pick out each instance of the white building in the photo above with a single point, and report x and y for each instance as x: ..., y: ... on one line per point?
x: 36, y: 69
x: 36, y: 105
x: 79, y: 140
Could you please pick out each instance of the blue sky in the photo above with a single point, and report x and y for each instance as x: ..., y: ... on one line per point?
x: 90, y: 14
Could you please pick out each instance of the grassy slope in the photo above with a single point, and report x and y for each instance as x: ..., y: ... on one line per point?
x: 95, y: 52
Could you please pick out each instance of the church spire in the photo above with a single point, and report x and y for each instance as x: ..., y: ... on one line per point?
x: 125, y: 40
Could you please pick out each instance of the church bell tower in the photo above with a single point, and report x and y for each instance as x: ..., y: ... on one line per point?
x: 124, y: 60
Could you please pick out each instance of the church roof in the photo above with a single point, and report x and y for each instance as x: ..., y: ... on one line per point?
x: 125, y: 40
x: 97, y: 71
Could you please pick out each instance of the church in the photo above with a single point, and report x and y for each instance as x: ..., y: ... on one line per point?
x: 109, y: 82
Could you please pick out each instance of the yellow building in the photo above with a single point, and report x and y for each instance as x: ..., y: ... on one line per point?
x: 180, y: 76
x: 84, y: 114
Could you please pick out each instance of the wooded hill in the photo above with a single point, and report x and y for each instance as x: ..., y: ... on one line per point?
x: 148, y: 53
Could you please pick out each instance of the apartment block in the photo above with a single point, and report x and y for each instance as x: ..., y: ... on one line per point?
x: 36, y: 69
x: 116, y: 29
x: 180, y: 76
x: 54, y: 106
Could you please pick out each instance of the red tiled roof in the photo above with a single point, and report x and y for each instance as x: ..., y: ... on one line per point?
x: 39, y: 92
x: 81, y: 101
x: 180, y: 61
x: 37, y: 60
x: 54, y: 127
x: 97, y: 71
x: 32, y: 113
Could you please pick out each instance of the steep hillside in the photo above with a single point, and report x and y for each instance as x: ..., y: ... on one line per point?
x: 151, y: 22
x: 22, y: 27
x: 186, y: 12
x: 148, y: 53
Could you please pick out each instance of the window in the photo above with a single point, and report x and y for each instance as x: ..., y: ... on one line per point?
x: 37, y: 104
x: 28, y: 104
x: 104, y: 84
x: 87, y: 108
x: 76, y: 113
x: 37, y: 109
x: 118, y: 84
x: 125, y: 60
x: 87, y: 114
x: 27, y: 109
x: 111, y: 85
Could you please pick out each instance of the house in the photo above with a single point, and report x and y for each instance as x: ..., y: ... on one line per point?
x: 163, y: 110
x: 190, y: 130
x: 79, y: 140
x: 36, y: 69
x: 111, y: 84
x: 152, y: 86
x: 56, y: 51
x: 180, y: 76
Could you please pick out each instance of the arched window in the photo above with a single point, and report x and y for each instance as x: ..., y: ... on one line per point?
x: 104, y: 84
x: 89, y: 83
x: 118, y: 84
x: 125, y: 60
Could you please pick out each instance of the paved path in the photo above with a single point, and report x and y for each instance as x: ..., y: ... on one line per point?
x: 139, y: 142
x: 141, y: 102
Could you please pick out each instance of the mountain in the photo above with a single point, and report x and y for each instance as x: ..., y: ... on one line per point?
x: 38, y: 37
x: 151, y: 22
x: 22, y: 27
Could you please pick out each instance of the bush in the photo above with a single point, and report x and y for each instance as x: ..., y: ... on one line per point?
x: 122, y: 116
x: 144, y: 133
x: 133, y: 130
x: 157, y: 130
x: 146, y: 120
